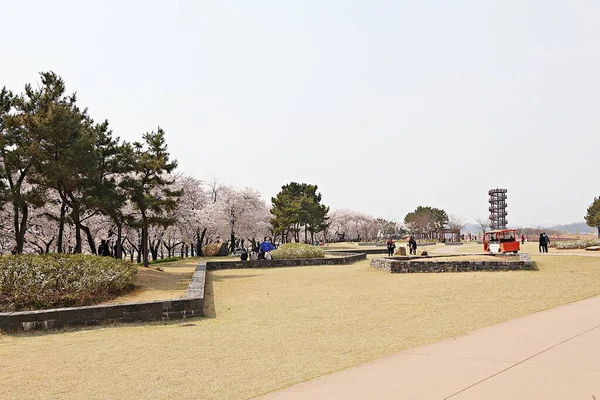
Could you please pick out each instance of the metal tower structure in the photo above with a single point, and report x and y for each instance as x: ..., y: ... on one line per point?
x: 498, y: 209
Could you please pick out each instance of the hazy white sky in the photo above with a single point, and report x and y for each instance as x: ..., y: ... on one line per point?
x: 386, y: 105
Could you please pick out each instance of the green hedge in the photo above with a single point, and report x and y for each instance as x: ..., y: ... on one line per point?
x: 29, y: 282
x: 297, y: 250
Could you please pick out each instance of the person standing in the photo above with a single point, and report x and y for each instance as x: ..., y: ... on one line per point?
x: 546, y: 242
x: 100, y: 250
x: 522, y: 239
x: 390, y: 250
x: 541, y: 242
x: 412, y: 246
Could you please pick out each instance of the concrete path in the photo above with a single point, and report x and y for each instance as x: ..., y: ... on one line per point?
x: 552, y: 354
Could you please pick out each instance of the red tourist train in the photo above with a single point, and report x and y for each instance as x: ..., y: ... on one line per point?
x: 501, y: 241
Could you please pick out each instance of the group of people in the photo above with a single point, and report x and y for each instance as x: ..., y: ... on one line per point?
x: 259, y: 252
x: 412, y: 246
x: 544, y: 242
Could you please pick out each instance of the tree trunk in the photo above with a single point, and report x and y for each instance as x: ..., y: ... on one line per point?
x: 153, y: 252
x: 144, y: 246
x: 232, y: 247
x: 77, y: 222
x: 192, y: 250
x: 21, y: 226
x: 199, y: 240
x: 19, y: 244
x: 119, y: 244
x: 90, y: 239
x: 61, y: 227
x: 48, y: 245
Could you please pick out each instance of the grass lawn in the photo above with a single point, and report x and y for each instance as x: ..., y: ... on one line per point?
x: 154, y: 284
x: 165, y: 281
x: 270, y: 328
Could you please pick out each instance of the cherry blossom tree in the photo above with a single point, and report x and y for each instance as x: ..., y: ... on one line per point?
x: 243, y: 214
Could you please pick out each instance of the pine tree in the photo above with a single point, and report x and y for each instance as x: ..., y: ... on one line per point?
x: 23, y: 123
x: 148, y: 186
x: 592, y: 217
x: 297, y: 206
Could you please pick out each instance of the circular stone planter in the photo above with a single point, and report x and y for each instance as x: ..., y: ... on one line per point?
x: 434, y: 264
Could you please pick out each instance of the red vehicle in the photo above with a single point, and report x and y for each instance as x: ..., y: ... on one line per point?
x: 501, y: 241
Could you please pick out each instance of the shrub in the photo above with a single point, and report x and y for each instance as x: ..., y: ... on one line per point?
x: 297, y: 250
x: 575, y: 244
x: 29, y: 282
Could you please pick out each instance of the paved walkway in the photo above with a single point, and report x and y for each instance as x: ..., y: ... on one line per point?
x: 552, y: 354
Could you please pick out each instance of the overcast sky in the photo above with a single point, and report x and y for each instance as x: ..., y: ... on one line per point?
x: 386, y: 105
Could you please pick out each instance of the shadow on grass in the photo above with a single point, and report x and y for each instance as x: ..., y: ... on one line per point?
x: 209, y: 309
x: 196, y: 321
x: 227, y: 277
x: 185, y: 262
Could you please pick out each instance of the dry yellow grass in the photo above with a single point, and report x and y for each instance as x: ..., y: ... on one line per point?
x: 270, y: 328
x: 164, y: 281
x: 153, y: 284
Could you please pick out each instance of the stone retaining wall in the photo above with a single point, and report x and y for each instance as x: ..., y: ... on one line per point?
x: 409, y: 265
x: 382, y: 250
x: 347, y: 258
x: 190, y: 305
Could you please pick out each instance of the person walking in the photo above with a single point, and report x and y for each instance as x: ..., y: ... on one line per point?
x: 546, y: 242
x: 541, y: 242
x: 390, y: 247
x: 522, y: 239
